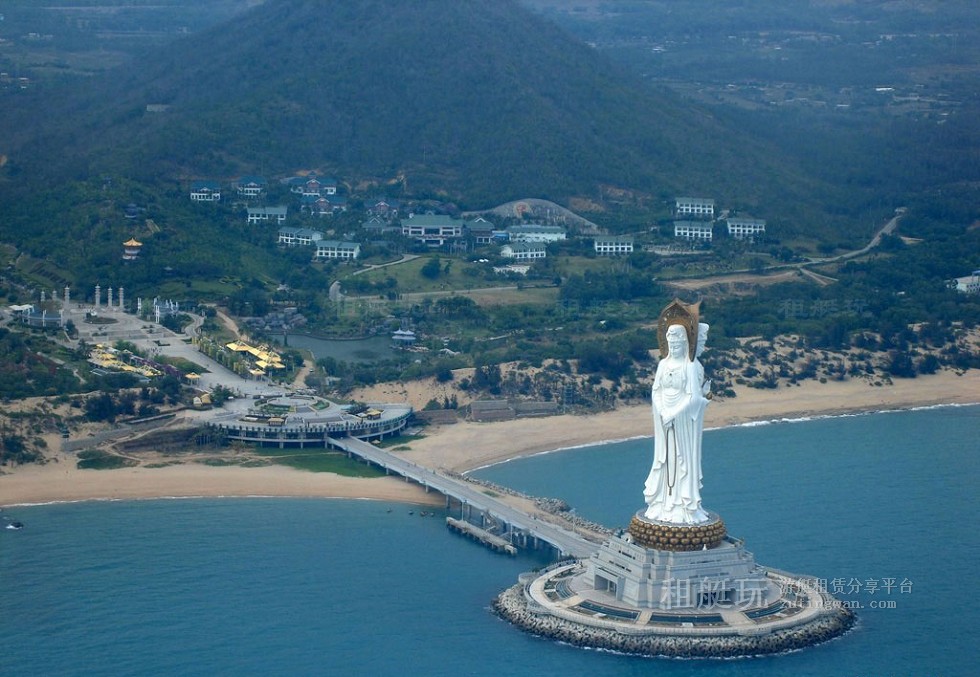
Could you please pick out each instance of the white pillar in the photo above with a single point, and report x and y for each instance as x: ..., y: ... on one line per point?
x: 98, y: 297
x: 109, y: 304
x: 122, y: 300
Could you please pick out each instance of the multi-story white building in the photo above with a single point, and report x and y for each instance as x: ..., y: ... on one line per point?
x: 291, y: 235
x: 535, y: 233
x: 524, y: 251
x: 698, y: 207
x: 613, y: 245
x: 432, y: 229
x: 746, y: 228
x: 693, y: 230
x: 258, y: 214
x: 205, y: 191
x: 334, y: 249
x: 250, y: 186
x: 969, y: 284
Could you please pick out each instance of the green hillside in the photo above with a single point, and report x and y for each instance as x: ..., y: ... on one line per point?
x: 479, y: 102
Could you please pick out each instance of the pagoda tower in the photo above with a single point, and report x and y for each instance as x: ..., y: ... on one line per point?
x: 131, y: 249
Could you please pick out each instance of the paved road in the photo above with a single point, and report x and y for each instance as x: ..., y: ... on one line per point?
x: 749, y: 276
x: 886, y: 229
x: 154, y: 339
x: 403, y: 259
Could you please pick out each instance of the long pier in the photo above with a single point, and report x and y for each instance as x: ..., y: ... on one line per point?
x: 512, y: 524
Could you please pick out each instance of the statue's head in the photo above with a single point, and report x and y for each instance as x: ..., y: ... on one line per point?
x: 683, y: 315
x: 677, y: 346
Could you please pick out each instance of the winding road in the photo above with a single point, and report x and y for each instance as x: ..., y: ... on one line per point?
x: 787, y: 270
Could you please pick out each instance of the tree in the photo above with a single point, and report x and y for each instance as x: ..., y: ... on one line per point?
x: 457, y: 307
x: 928, y: 364
x: 170, y: 387
x: 101, y: 408
x: 127, y: 403
x: 900, y: 364
x: 14, y: 448
x: 432, y: 268
x: 220, y: 395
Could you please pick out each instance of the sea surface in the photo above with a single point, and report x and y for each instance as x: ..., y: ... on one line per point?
x: 885, y: 505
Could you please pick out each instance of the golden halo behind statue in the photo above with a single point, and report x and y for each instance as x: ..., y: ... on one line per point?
x: 684, y: 314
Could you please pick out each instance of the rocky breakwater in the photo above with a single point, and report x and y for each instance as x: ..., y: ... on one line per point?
x: 512, y: 605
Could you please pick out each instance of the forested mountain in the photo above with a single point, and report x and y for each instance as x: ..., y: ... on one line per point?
x: 480, y: 102
x: 876, y: 95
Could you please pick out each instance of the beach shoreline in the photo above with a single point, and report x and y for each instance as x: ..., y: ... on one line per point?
x: 468, y: 445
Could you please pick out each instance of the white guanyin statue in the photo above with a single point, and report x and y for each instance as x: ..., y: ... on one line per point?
x: 680, y: 395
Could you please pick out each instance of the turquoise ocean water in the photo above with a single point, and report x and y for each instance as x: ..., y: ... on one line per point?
x: 338, y: 587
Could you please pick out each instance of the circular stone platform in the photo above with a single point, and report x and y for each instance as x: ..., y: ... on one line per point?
x: 677, y: 537
x: 556, y: 605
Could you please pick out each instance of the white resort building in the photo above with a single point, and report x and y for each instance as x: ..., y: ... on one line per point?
x: 205, y: 191
x: 259, y: 214
x: 613, y: 245
x: 746, y: 228
x: 432, y: 229
x: 291, y: 235
x: 524, y: 251
x: 693, y: 230
x: 334, y: 249
x: 969, y: 284
x: 699, y: 207
x: 250, y: 186
x: 535, y: 233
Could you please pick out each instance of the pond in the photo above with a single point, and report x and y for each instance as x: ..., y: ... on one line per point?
x: 372, y: 349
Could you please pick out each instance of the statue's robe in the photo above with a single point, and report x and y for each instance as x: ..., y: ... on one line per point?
x: 673, y: 487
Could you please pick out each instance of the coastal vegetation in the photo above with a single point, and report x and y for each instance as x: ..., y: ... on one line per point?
x: 320, y: 461
x: 98, y: 459
x: 610, y: 114
x: 162, y: 449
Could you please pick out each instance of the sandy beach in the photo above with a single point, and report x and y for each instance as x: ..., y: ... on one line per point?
x: 467, y: 445
x: 62, y: 481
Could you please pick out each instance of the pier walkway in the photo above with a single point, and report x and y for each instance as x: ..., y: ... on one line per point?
x: 516, y: 526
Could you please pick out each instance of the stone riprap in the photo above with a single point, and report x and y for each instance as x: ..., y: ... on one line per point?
x: 514, y: 606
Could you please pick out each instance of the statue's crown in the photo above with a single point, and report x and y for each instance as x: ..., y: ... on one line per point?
x: 686, y: 315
